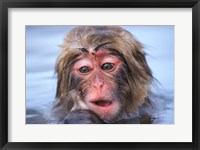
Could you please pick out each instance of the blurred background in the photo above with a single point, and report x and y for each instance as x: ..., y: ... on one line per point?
x: 42, y: 50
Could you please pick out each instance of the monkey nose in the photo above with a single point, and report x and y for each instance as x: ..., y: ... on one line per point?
x: 98, y: 84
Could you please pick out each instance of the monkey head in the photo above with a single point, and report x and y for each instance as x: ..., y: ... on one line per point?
x: 102, y: 69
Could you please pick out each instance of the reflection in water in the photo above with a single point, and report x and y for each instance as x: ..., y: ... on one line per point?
x: 42, y: 49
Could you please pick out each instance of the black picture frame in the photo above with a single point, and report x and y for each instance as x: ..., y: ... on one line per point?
x: 6, y: 4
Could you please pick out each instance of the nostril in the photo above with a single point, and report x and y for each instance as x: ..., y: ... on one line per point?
x: 98, y: 84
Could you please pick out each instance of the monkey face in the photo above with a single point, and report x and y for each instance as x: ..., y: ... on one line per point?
x: 97, y: 71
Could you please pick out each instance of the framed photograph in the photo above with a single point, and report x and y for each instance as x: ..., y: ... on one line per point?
x: 99, y: 75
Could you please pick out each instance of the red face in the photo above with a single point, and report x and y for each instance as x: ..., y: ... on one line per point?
x: 98, y: 71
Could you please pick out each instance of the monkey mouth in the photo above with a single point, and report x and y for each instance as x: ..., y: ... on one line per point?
x: 102, y: 103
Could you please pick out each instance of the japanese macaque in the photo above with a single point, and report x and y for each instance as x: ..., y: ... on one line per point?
x: 103, y: 76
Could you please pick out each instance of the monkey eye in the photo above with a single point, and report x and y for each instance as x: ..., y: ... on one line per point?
x: 107, y: 66
x: 84, y: 69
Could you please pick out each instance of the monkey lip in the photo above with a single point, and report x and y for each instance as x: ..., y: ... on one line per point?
x: 102, y: 103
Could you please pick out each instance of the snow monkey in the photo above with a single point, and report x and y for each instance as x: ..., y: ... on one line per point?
x: 102, y: 76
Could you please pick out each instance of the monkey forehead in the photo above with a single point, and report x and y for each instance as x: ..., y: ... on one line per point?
x: 97, y: 54
x: 96, y: 59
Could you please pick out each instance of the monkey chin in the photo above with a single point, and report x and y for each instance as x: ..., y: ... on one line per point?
x: 107, y: 110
